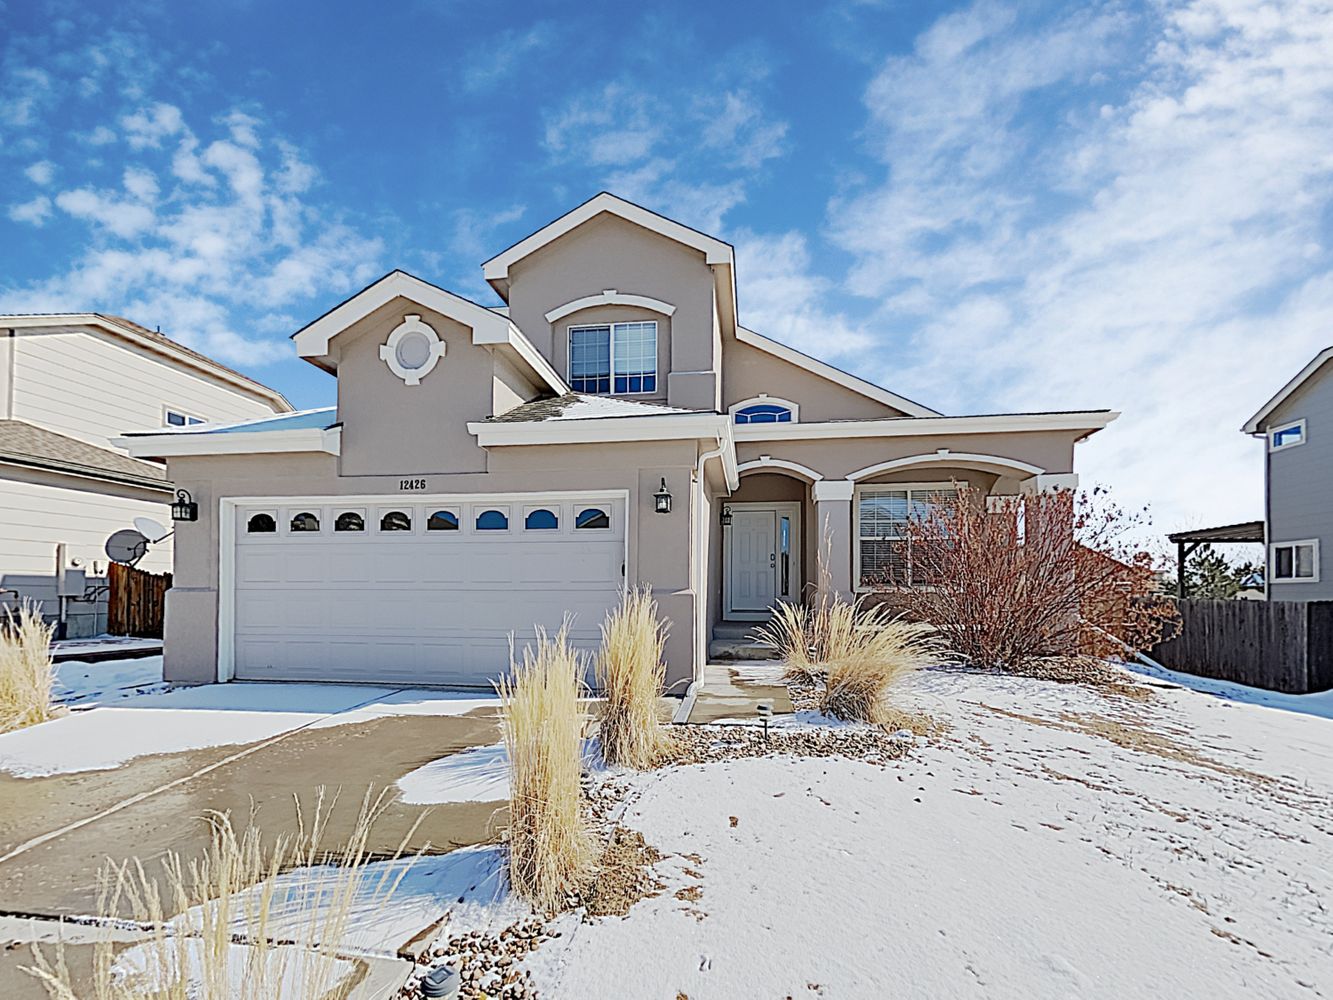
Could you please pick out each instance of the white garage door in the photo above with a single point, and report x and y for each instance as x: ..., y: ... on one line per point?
x: 418, y: 593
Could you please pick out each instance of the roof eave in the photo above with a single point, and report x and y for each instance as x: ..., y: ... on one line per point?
x: 1252, y: 426
x: 327, y: 441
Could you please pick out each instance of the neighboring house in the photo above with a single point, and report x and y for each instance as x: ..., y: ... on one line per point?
x: 1297, y: 427
x: 68, y: 385
x: 487, y: 470
x: 1251, y: 588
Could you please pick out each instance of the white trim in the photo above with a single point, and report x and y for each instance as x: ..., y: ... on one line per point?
x: 842, y: 378
x: 327, y: 440
x: 1252, y: 425
x: 946, y: 457
x: 488, y: 327
x: 1273, y: 432
x: 795, y: 581
x: 765, y: 399
x: 658, y: 427
x: 714, y: 250
x: 1003, y: 423
x: 766, y: 463
x: 227, y: 516
x: 611, y: 297
x: 1272, y: 576
x: 155, y: 343
x: 412, y: 323
x: 833, y: 490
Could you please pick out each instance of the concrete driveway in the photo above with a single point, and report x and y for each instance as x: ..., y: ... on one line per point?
x: 135, y: 780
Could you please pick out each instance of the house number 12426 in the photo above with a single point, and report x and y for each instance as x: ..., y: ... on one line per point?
x: 411, y: 484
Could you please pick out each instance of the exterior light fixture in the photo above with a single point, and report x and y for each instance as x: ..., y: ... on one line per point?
x: 662, y: 499
x: 184, y: 509
x: 724, y: 518
x: 443, y: 982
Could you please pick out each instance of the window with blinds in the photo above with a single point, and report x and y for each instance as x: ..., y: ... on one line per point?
x: 882, y: 515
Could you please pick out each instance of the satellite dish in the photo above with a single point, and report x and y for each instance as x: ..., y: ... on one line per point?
x: 150, y: 529
x: 127, y: 546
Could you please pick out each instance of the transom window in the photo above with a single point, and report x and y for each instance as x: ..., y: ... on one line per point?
x: 883, y: 513
x: 764, y: 413
x: 305, y: 521
x: 1296, y: 561
x: 177, y: 419
x: 613, y: 358
x: 1286, y: 436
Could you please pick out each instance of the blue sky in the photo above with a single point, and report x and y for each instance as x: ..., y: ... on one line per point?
x: 982, y: 206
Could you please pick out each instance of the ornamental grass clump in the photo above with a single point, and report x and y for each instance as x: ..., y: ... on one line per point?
x: 631, y: 674
x: 27, y: 674
x: 856, y: 685
x: 244, y: 921
x: 550, y: 845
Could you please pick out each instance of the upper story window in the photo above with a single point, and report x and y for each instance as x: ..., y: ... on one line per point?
x: 1286, y: 436
x: 1295, y: 561
x: 765, y: 409
x: 613, y: 358
x: 174, y: 418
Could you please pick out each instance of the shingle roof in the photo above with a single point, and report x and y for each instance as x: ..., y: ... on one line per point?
x: 22, y: 443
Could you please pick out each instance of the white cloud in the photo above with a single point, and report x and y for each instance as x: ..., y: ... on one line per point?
x: 736, y: 125
x: 123, y: 217
x: 34, y: 212
x: 26, y: 92
x: 99, y: 136
x: 42, y: 172
x: 611, y: 127
x: 492, y: 63
x: 1159, y: 249
x: 148, y: 126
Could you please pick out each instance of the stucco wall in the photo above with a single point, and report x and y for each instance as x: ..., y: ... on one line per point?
x: 1298, y: 504
x: 659, y: 546
x: 609, y: 252
x: 748, y: 371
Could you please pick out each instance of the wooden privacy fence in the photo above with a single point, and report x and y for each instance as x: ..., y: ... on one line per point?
x: 136, y: 601
x: 1278, y: 645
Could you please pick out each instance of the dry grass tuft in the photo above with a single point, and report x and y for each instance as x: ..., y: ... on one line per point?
x: 269, y: 925
x: 631, y: 674
x: 27, y: 674
x: 551, y: 850
x: 882, y: 652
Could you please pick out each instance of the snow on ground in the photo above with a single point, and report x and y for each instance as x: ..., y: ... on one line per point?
x: 81, y: 683
x: 1319, y: 703
x: 207, y: 716
x: 478, y: 774
x: 1054, y: 843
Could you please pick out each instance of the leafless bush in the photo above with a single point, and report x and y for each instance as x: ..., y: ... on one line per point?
x: 1045, y: 574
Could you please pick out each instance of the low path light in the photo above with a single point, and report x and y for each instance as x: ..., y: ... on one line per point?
x: 442, y: 983
x: 765, y: 710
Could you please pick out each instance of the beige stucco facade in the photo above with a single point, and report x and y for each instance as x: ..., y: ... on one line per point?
x: 494, y: 418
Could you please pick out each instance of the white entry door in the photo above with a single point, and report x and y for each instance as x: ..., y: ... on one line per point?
x: 754, y: 561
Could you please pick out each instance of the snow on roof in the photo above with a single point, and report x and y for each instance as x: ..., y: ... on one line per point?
x: 577, y: 406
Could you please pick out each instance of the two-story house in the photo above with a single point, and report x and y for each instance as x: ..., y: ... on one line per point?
x: 68, y: 384
x: 491, y: 469
x: 1297, y: 428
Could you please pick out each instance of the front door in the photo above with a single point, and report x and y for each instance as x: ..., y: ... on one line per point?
x: 759, y: 559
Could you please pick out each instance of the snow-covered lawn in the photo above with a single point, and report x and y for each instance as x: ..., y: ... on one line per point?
x: 81, y: 683
x: 1053, y: 843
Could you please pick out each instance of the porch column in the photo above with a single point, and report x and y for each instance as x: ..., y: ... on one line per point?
x: 1049, y: 481
x: 833, y: 521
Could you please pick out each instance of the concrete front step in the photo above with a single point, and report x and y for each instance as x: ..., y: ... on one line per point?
x: 741, y: 649
x: 736, y: 630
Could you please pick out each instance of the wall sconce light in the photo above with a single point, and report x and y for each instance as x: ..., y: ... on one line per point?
x: 184, y: 509
x: 662, y: 499
x: 724, y: 518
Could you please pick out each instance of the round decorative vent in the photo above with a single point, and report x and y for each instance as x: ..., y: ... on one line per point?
x: 412, y: 350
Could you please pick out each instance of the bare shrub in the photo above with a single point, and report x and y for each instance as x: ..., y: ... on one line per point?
x: 27, y: 673
x: 551, y: 849
x: 631, y: 674
x: 242, y: 922
x: 884, y: 651
x: 1045, y: 574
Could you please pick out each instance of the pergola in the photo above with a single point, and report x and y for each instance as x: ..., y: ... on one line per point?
x: 1187, y: 541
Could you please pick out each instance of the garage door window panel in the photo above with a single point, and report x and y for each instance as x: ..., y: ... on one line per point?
x: 396, y: 520
x: 304, y: 521
x: 442, y: 520
x: 261, y: 523
x: 541, y: 519
x: 493, y: 519
x: 350, y: 520
x: 593, y: 519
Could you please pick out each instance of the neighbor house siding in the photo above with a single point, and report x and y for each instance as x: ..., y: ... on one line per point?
x: 1299, y: 480
x: 92, y: 386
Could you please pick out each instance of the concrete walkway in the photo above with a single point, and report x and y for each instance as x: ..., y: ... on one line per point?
x: 731, y: 691
x: 57, y: 831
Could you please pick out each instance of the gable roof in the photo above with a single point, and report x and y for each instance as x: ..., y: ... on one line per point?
x: 22, y: 443
x: 715, y: 251
x: 154, y: 341
x: 842, y: 378
x: 1285, y: 393
x: 488, y: 326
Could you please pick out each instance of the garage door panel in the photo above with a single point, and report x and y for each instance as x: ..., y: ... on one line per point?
x: 416, y: 607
